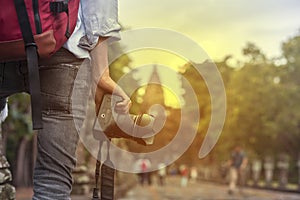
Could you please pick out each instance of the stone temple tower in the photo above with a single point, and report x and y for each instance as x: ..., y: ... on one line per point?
x: 154, y: 93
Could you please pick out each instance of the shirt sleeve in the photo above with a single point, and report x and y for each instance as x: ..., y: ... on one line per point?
x: 100, y: 18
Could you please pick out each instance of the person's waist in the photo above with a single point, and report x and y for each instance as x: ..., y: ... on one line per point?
x: 61, y: 56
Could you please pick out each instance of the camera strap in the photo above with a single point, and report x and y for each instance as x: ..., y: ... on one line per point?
x: 96, y: 189
x: 107, y: 177
x: 106, y: 172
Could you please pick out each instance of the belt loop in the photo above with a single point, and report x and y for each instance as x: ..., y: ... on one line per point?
x: 22, y: 67
x: 2, y: 68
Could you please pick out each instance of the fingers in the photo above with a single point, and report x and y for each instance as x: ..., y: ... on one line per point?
x: 123, y: 106
x: 98, y: 99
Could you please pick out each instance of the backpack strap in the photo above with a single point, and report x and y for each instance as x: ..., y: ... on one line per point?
x: 32, y: 64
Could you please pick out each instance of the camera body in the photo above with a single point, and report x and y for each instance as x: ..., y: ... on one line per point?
x: 140, y: 128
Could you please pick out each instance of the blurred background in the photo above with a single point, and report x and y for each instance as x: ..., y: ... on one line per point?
x: 256, y: 47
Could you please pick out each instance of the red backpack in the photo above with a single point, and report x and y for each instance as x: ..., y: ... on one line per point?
x: 33, y: 29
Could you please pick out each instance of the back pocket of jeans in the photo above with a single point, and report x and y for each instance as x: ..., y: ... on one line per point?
x: 56, y: 87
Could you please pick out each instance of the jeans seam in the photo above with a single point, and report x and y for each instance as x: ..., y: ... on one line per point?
x: 71, y: 90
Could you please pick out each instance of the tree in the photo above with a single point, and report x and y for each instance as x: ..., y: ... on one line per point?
x: 260, y: 97
x: 254, y: 54
x: 18, y: 132
x: 291, y: 53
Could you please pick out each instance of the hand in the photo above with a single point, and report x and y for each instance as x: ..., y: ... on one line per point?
x: 123, y: 106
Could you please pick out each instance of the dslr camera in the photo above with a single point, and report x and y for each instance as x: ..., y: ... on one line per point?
x: 140, y: 128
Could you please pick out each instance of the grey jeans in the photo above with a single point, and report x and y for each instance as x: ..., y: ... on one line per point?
x: 57, y: 141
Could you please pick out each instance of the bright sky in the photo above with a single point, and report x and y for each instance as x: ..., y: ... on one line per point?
x: 220, y: 27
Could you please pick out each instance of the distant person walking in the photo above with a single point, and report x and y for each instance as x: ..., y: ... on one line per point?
x: 238, y: 163
x: 145, y: 166
x: 184, y: 172
x: 162, y: 173
x: 194, y: 174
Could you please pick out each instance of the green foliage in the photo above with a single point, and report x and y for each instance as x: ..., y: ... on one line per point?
x: 18, y: 123
x: 291, y: 52
x: 263, y: 104
x: 253, y: 53
x: 263, y: 110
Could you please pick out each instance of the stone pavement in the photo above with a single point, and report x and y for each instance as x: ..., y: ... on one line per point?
x: 202, y: 191
x: 194, y: 191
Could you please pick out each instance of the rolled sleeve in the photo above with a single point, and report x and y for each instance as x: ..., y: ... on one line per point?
x: 100, y: 18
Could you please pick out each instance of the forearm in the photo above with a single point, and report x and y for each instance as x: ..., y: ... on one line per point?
x: 99, y: 62
x: 102, y: 81
x: 101, y: 77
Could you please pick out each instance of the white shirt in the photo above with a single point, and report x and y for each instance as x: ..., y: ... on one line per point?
x: 95, y: 18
